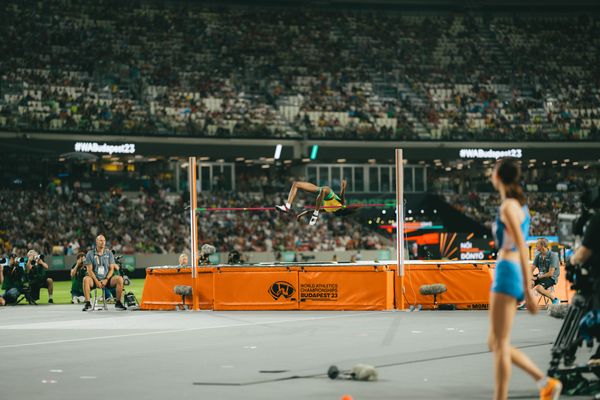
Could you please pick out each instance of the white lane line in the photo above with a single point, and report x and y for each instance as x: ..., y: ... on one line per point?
x: 83, y: 323
x: 283, y: 321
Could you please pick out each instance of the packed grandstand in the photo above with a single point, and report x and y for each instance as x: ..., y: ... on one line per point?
x: 189, y: 69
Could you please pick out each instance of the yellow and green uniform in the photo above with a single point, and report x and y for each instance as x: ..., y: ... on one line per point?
x: 331, y: 202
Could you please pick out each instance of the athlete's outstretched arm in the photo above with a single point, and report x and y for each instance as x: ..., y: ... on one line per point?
x: 319, y: 202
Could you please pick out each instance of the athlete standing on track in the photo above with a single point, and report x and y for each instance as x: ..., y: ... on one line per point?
x: 512, y: 274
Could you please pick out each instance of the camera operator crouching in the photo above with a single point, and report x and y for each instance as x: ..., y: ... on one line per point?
x: 37, y: 275
x: 78, y: 272
x: 100, y: 264
x: 12, y: 279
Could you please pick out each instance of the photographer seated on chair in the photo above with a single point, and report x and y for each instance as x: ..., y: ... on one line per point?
x: 37, y: 274
x: 547, y: 263
x: 13, y: 279
x: 100, y: 264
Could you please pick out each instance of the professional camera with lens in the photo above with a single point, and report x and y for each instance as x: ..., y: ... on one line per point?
x: 582, y: 320
x: 18, y: 261
x: 123, y: 269
x: 583, y: 278
x: 234, y: 257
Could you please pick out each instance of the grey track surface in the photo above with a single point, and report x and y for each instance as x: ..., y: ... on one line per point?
x: 59, y: 352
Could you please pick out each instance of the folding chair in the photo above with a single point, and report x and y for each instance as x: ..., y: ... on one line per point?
x: 543, y: 299
x: 95, y: 301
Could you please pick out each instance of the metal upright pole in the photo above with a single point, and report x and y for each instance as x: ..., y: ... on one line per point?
x: 194, y: 231
x: 400, y: 221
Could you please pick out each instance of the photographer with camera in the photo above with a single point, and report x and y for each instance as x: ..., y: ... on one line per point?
x: 205, y: 252
x: 100, y: 264
x: 13, y: 280
x: 78, y: 272
x: 37, y: 274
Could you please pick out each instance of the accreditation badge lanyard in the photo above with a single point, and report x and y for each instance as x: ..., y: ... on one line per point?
x: 546, y: 261
x: 100, y: 266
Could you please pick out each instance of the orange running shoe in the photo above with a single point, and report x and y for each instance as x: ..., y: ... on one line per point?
x: 552, y: 390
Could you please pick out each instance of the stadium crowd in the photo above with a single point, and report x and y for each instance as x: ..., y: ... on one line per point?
x: 71, y: 219
x: 285, y: 72
x: 544, y: 208
x: 158, y: 222
x: 549, y: 190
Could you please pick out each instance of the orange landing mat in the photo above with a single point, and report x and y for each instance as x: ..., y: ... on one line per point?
x: 327, y: 286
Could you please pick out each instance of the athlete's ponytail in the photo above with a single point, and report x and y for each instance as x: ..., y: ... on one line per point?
x: 509, y: 172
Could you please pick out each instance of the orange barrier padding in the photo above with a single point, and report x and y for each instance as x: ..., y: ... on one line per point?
x: 363, y: 286
x: 350, y: 290
x: 468, y: 285
x: 158, y: 291
x: 261, y: 289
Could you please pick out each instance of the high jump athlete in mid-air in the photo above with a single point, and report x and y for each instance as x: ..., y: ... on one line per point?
x: 326, y: 200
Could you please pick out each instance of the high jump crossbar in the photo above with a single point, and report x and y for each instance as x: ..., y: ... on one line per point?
x: 258, y: 208
x: 194, y: 210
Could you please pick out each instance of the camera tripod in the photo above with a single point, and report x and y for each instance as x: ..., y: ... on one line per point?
x: 564, y: 348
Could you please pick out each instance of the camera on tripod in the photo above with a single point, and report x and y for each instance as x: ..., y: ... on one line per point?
x: 122, y: 269
x: 582, y: 321
x: 128, y: 297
